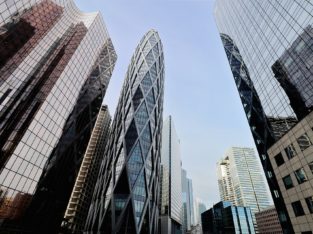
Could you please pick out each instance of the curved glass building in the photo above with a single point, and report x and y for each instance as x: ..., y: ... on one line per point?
x: 126, y: 194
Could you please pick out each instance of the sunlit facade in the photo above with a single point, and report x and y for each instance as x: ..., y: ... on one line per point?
x: 269, y: 48
x: 171, y: 189
x: 126, y: 194
x: 245, y: 184
x: 47, y: 51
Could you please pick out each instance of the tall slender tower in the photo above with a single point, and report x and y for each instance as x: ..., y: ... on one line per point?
x: 126, y: 195
x: 79, y: 202
x: 269, y: 48
x: 188, y: 214
x: 48, y: 100
x: 171, y: 190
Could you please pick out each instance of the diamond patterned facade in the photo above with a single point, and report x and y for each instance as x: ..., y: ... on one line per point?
x: 126, y: 195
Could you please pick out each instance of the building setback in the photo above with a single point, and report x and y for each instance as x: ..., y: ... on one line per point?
x: 126, y: 194
x: 48, y: 50
x: 269, y: 49
x: 171, y: 190
x: 268, y: 222
x: 223, y: 217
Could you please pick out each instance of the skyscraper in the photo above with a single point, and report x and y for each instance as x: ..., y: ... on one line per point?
x: 225, y: 182
x: 171, y: 189
x: 126, y: 194
x: 200, y: 207
x: 245, y: 184
x: 188, y: 202
x: 79, y: 202
x: 48, y: 49
x: 185, y: 199
x: 268, y: 45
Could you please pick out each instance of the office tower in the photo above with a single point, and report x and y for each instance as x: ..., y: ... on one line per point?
x: 224, y: 217
x: 188, y: 202
x: 79, y: 202
x: 186, y: 205
x: 268, y: 45
x: 191, y: 202
x: 200, y: 207
x: 244, y: 173
x: 268, y: 222
x: 126, y: 194
x: 171, y: 189
x: 48, y: 101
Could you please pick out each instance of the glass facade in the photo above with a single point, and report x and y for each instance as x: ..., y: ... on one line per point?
x: 171, y: 190
x: 269, y: 48
x: 223, y: 217
x: 47, y: 50
x: 79, y: 202
x: 126, y: 194
x: 185, y: 199
x: 188, y: 214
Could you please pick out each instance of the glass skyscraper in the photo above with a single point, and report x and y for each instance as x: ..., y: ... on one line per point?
x: 188, y: 215
x: 171, y: 190
x: 269, y: 46
x: 79, y: 202
x: 126, y: 195
x: 50, y: 95
x: 241, y: 182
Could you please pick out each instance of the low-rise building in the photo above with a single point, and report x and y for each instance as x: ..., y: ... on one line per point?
x: 268, y: 222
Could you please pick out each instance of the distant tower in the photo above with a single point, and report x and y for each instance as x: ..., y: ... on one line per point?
x: 200, y: 207
x: 244, y: 184
x: 188, y: 202
x: 126, y: 195
x: 171, y: 190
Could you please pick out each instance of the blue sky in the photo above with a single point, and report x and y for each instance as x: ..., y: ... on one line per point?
x: 200, y: 92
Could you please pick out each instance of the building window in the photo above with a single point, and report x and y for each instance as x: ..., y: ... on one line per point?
x: 309, y: 202
x: 300, y: 175
x: 269, y: 174
x: 263, y: 157
x: 279, y: 159
x: 297, y: 208
x: 288, y: 182
x: 282, y: 216
x: 304, y: 141
x: 276, y: 194
x: 290, y: 151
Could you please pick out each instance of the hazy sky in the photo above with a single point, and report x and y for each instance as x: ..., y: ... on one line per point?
x: 200, y: 92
